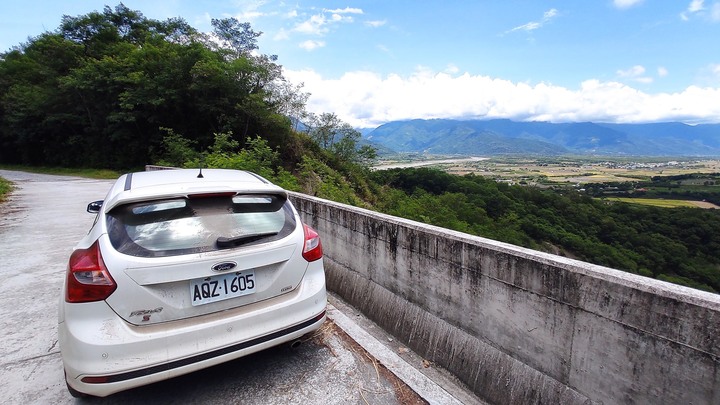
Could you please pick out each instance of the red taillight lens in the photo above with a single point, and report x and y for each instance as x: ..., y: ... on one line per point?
x: 88, y: 279
x: 312, y: 249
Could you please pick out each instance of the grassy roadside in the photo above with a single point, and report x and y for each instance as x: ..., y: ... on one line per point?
x: 60, y: 171
x: 5, y: 189
x: 6, y: 186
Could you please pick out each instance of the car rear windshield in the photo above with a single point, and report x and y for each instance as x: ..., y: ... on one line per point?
x: 198, y: 224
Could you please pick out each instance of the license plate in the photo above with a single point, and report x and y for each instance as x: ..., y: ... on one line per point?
x: 218, y: 288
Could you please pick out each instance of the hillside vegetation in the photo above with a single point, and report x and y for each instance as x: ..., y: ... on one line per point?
x: 104, y: 88
x: 680, y: 245
x: 116, y: 90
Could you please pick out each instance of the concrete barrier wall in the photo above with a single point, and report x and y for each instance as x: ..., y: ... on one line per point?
x: 520, y: 326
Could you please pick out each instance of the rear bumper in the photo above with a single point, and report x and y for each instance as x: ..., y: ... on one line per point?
x: 102, y: 354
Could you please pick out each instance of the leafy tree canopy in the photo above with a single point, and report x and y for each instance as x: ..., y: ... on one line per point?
x: 103, y: 89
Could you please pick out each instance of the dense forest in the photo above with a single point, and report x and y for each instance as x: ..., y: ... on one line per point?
x: 114, y: 89
x: 104, y: 88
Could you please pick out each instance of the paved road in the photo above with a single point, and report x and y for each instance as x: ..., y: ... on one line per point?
x: 40, y: 224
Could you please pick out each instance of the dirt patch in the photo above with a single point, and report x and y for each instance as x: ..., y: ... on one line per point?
x: 705, y: 204
x: 403, y: 393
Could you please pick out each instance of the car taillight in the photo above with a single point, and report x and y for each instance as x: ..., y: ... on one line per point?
x: 312, y: 249
x: 88, y: 279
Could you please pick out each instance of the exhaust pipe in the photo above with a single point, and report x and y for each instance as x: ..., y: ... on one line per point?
x: 295, y: 343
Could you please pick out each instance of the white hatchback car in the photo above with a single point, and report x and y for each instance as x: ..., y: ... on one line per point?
x: 184, y: 269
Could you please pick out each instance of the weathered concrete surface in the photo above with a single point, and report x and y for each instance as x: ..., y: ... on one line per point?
x: 519, y: 326
x: 41, y: 223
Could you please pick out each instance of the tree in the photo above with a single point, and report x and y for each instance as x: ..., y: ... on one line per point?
x: 238, y: 37
x: 98, y: 91
x: 324, y: 129
x: 338, y: 137
x: 290, y: 100
x: 177, y: 151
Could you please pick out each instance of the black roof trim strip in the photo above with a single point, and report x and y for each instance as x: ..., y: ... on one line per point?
x: 128, y: 181
x: 206, y: 356
x: 258, y: 177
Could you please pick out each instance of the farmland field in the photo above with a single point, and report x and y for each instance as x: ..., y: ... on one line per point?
x: 660, y: 182
x: 658, y: 202
x: 563, y: 170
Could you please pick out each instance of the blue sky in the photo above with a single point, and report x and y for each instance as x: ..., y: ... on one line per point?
x: 376, y: 61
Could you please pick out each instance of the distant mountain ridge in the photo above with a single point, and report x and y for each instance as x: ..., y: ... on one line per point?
x: 503, y: 137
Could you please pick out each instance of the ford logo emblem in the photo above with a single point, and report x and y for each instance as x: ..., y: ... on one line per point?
x: 224, y: 266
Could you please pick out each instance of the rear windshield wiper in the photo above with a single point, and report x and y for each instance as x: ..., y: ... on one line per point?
x: 223, y: 242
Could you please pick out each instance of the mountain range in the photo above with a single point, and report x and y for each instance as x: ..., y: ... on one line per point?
x: 506, y: 137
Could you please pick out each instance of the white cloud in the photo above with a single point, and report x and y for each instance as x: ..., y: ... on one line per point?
x: 250, y: 10
x: 626, y: 3
x: 249, y: 16
x: 376, y: 23
x: 341, y: 18
x: 366, y: 99
x: 452, y: 69
x: 315, y: 25
x: 533, y: 25
x: 346, y: 10
x: 319, y: 24
x: 698, y: 8
x: 549, y: 14
x: 635, y: 73
x: 311, y: 45
x: 715, y: 12
x: 695, y: 6
x: 662, y: 71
